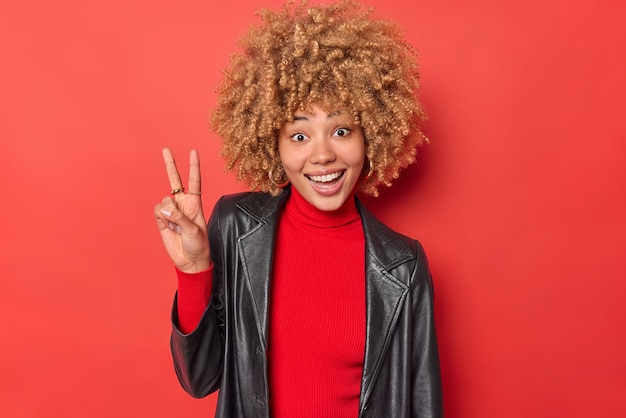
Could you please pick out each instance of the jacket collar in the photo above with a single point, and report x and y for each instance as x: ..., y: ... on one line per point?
x: 385, y: 294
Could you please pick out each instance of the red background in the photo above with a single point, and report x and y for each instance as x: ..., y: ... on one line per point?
x: 519, y: 200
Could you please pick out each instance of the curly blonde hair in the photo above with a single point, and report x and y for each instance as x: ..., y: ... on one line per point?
x: 336, y: 56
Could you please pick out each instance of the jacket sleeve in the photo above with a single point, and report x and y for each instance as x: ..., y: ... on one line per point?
x: 198, y: 356
x: 426, y: 379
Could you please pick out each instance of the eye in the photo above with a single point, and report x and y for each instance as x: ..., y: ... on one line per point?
x: 299, y: 137
x: 342, y: 132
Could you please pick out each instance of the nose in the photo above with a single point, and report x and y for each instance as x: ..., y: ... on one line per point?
x: 322, y: 151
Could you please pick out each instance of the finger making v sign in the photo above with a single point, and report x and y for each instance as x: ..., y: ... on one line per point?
x: 180, y: 219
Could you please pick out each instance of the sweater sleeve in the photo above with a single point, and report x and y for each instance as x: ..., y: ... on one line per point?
x: 194, y: 293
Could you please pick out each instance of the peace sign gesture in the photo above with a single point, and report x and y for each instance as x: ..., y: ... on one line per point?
x: 180, y: 219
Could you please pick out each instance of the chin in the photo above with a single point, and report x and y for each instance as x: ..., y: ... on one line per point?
x: 329, y: 204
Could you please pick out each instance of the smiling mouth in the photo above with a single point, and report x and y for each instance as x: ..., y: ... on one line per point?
x: 327, y: 178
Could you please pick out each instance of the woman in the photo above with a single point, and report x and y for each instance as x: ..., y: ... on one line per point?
x: 297, y: 301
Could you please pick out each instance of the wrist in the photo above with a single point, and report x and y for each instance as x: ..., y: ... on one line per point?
x: 194, y: 268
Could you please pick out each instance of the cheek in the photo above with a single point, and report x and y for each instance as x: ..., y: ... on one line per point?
x: 283, y: 153
x: 355, y: 155
x: 290, y: 161
x: 288, y: 166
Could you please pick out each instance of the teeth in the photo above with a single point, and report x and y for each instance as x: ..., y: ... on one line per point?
x: 326, y: 178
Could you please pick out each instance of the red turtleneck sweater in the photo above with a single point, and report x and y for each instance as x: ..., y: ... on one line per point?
x: 317, y: 311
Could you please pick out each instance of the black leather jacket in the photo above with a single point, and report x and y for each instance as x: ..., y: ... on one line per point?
x: 227, y: 350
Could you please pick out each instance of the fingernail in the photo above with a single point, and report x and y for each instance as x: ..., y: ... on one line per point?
x: 171, y: 225
x: 166, y: 212
x: 179, y: 229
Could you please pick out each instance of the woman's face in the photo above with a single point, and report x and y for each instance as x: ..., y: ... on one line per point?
x: 322, y: 154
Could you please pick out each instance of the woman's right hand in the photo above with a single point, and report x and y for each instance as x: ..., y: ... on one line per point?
x: 180, y: 219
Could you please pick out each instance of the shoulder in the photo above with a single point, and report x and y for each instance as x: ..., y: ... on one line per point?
x: 391, y: 248
x: 256, y: 205
x: 228, y: 203
x: 376, y: 230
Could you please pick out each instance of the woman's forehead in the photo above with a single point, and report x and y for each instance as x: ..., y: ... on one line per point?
x: 315, y: 108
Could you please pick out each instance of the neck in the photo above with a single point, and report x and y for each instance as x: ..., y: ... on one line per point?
x: 306, y: 213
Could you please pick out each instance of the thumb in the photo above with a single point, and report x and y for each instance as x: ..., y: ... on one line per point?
x: 178, y: 221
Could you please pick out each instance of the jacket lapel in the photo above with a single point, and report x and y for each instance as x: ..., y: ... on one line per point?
x: 256, y: 249
x: 385, y: 294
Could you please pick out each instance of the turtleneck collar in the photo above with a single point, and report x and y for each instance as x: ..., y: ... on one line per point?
x: 304, y: 212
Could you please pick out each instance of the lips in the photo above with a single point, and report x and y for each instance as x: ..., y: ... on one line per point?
x: 326, y: 178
